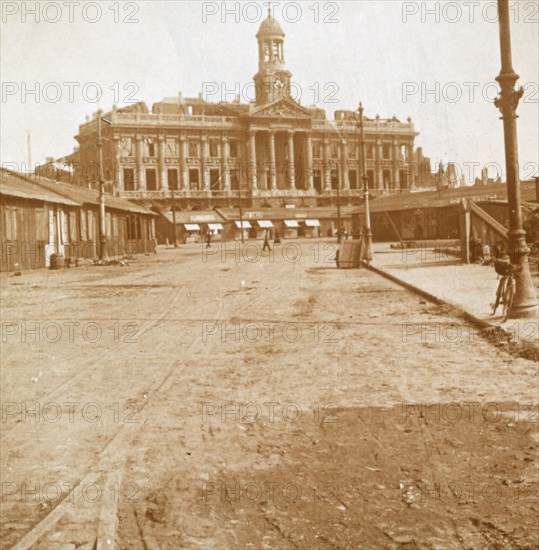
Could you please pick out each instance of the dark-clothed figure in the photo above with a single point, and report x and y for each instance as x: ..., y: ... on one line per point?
x: 266, y: 241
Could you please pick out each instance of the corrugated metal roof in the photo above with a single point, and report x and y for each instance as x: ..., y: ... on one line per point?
x: 18, y: 185
x: 89, y: 196
x: 447, y: 197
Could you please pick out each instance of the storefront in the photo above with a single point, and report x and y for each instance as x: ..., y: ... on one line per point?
x: 242, y: 226
x: 291, y: 228
x: 312, y: 228
x: 262, y: 227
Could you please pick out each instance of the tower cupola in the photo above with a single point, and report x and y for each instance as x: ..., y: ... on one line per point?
x: 272, y: 80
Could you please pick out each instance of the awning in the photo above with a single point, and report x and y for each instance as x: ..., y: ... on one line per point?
x: 291, y: 223
x: 215, y: 226
x: 265, y: 223
x: 246, y: 225
x: 312, y: 223
x: 192, y: 226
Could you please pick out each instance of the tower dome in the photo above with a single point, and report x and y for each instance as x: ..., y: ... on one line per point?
x: 270, y: 27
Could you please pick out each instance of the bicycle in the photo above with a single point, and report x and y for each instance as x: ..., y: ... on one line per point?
x: 506, y: 287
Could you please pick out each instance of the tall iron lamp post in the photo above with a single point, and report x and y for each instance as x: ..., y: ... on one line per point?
x: 368, y: 232
x: 103, y: 250
x: 525, y: 302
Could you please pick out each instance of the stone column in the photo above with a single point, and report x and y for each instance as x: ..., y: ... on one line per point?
x: 184, y: 174
x: 225, y: 173
x: 379, y: 173
x: 309, y: 156
x: 291, y: 172
x: 396, y: 166
x: 141, y: 180
x: 327, y: 166
x: 273, y: 168
x: 203, y: 163
x: 253, y: 171
x: 411, y: 168
x: 345, y: 185
x: 163, y: 183
x: 118, y: 179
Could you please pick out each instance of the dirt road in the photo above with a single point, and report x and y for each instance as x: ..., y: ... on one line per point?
x: 233, y: 400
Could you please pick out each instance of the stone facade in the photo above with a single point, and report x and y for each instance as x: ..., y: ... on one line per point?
x: 270, y: 152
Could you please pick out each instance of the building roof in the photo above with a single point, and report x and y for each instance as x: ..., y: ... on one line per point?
x: 82, y: 195
x: 270, y: 27
x: 447, y: 197
x: 17, y: 185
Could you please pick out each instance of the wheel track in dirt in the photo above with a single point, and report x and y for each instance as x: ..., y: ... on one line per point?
x: 113, y: 455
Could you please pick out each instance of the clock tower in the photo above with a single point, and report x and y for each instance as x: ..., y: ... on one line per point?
x: 272, y: 80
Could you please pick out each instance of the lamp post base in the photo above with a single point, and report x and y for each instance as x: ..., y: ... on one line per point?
x: 525, y: 303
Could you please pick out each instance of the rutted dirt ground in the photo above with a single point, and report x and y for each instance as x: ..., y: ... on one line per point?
x: 264, y: 404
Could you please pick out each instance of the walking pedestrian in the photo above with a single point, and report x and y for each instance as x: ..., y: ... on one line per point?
x: 208, y: 239
x: 266, y: 241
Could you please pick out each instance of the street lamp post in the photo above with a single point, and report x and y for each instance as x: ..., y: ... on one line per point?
x: 174, y: 216
x: 340, y: 232
x: 525, y: 302
x: 103, y: 251
x: 241, y: 212
x: 368, y: 232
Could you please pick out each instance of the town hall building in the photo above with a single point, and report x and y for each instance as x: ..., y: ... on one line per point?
x: 270, y: 152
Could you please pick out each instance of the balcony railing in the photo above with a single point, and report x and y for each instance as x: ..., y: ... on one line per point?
x: 245, y: 193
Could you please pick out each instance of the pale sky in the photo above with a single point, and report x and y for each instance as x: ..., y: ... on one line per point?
x: 354, y: 50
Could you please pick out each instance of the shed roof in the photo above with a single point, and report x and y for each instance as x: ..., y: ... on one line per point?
x: 447, y: 197
x: 82, y: 195
x: 18, y: 185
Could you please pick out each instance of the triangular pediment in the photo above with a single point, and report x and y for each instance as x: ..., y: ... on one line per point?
x: 282, y: 108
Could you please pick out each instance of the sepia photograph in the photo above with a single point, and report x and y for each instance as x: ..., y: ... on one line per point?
x: 269, y: 275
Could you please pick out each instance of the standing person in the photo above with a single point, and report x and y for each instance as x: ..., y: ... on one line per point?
x: 266, y: 241
x: 208, y: 240
x: 276, y: 237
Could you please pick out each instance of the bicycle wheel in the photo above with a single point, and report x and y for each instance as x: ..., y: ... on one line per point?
x: 499, y: 295
x: 509, y: 294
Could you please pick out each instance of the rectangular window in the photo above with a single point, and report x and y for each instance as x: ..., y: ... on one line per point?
x: 151, y: 179
x: 129, y: 179
x: 193, y: 178
x: 63, y: 225
x: 334, y: 148
x: 73, y: 237
x: 42, y: 225
x: 370, y: 151
x: 172, y: 178
x: 317, y: 150
x: 215, y: 178
x: 234, y: 148
x: 115, y: 226
x: 386, y: 151
x: 193, y: 149
x: 171, y: 149
x: 151, y: 148
x: 352, y: 178
x: 214, y: 148
x: 352, y: 150
x: 234, y: 180
x: 370, y: 177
